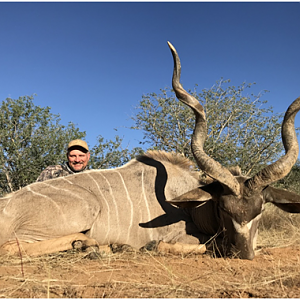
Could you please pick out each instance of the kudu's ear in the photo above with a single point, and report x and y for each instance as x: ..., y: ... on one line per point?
x: 285, y: 200
x: 191, y: 199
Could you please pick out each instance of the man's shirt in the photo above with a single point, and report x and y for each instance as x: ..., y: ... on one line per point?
x: 56, y: 171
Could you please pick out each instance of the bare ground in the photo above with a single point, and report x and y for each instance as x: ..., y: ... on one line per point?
x: 274, y: 273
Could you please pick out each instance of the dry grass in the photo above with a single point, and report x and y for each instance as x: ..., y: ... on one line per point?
x: 278, y: 228
x: 134, y: 275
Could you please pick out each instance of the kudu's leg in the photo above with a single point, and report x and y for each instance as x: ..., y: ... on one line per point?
x: 77, y: 240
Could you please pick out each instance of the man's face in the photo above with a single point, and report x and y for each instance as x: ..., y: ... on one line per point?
x: 78, y: 160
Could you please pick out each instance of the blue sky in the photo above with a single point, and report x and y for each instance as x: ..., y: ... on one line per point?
x: 92, y: 62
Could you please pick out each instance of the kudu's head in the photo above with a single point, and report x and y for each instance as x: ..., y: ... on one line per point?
x: 240, y: 200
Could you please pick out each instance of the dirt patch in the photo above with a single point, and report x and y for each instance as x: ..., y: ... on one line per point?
x: 274, y: 273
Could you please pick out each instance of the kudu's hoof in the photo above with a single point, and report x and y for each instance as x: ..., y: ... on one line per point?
x: 151, y: 246
x: 118, y: 248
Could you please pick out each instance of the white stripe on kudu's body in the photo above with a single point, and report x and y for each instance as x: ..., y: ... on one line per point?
x: 105, y: 203
x: 130, y: 206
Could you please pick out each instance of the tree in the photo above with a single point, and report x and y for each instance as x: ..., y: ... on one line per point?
x: 241, y: 131
x: 32, y: 138
x: 110, y: 154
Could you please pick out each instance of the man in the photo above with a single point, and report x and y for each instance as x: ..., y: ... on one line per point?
x: 78, y: 156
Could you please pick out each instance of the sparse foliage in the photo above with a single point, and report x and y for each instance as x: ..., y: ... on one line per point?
x: 110, y: 154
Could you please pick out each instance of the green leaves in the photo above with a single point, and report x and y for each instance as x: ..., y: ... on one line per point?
x: 241, y: 131
x: 165, y: 122
x: 110, y: 154
x: 31, y: 138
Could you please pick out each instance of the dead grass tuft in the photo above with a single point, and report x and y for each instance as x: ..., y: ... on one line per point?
x: 278, y: 228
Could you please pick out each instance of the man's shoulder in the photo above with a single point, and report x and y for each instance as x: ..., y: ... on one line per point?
x: 53, y: 171
x: 53, y: 168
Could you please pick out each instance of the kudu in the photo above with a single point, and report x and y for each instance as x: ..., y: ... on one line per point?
x: 239, y: 200
x: 134, y: 204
